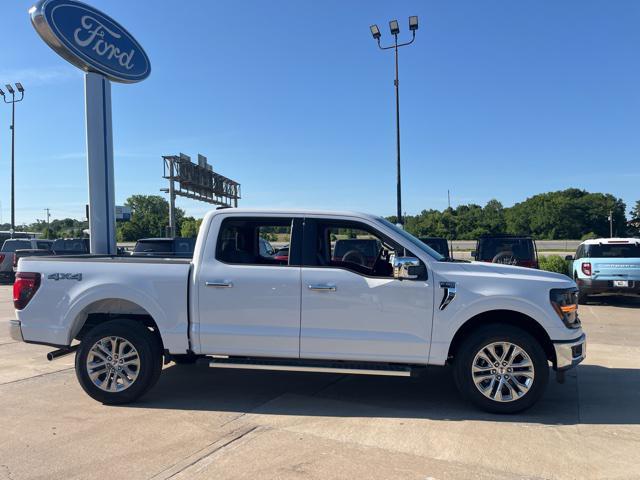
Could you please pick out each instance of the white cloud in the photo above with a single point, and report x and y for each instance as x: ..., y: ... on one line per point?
x: 40, y: 76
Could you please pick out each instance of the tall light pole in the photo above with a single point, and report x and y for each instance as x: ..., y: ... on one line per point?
x: 395, y: 30
x: 13, y: 102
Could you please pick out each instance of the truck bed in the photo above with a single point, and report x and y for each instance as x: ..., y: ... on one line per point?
x: 76, y: 286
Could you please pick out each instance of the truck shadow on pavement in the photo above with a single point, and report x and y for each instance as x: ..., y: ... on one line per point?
x: 591, y: 395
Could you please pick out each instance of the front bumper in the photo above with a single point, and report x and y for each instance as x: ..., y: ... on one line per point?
x: 570, y: 353
x: 15, y: 331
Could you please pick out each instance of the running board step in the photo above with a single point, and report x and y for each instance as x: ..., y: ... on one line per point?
x: 313, y: 366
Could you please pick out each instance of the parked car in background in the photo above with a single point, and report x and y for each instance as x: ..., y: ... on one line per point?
x: 9, y: 247
x: 607, y: 266
x: 70, y: 246
x: 164, y: 247
x: 439, y: 244
x: 18, y: 254
x: 363, y: 251
x: 6, y: 235
x: 515, y: 250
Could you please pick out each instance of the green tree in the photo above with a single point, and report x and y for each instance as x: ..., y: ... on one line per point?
x: 190, y: 227
x: 149, y: 218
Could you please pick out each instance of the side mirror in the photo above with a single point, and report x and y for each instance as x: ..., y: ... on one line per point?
x: 473, y: 254
x: 407, y: 268
x: 569, y: 257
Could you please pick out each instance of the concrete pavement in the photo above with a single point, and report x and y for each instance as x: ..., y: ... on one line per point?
x: 199, y: 423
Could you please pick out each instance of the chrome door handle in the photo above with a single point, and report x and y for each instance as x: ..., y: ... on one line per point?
x: 322, y: 288
x: 219, y: 284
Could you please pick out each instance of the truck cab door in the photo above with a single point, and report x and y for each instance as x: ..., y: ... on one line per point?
x: 352, y: 306
x: 248, y: 300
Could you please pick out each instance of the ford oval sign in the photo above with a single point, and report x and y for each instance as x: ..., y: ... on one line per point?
x: 90, y: 40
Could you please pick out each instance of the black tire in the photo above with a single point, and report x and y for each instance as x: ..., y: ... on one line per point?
x: 185, y: 359
x: 149, y: 354
x: 484, y: 336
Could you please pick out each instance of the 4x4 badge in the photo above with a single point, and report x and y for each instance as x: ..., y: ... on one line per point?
x: 65, y: 276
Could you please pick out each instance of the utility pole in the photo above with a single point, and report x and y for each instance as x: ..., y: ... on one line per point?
x: 395, y: 30
x: 13, y: 102
x: 450, y: 235
x: 48, y: 217
x: 610, y: 223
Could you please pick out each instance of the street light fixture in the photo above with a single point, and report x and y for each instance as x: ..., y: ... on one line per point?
x: 13, y: 102
x: 375, y: 31
x: 395, y: 30
x: 393, y: 26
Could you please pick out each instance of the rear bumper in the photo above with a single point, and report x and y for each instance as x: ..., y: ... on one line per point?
x: 570, y: 353
x: 589, y: 286
x: 15, y: 330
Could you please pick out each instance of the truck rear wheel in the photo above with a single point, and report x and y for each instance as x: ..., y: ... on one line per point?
x: 118, y: 361
x: 501, y: 369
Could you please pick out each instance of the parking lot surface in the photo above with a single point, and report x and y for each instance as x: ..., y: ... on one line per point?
x: 200, y: 423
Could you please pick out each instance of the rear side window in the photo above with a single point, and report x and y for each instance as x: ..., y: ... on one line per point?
x: 43, y: 245
x: 254, y: 241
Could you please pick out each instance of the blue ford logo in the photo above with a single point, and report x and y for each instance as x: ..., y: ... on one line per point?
x: 90, y: 40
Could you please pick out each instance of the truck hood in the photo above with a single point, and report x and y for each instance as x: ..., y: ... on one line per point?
x: 498, y: 271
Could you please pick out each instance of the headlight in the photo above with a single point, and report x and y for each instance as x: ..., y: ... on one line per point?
x: 565, y: 302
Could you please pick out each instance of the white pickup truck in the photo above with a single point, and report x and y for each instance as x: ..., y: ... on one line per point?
x: 236, y: 306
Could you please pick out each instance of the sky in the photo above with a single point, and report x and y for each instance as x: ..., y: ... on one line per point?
x: 293, y: 99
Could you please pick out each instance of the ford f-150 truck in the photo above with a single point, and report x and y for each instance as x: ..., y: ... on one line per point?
x: 498, y: 326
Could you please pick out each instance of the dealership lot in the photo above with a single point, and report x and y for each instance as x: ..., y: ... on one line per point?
x: 201, y: 423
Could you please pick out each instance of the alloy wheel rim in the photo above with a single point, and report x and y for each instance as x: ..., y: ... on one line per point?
x: 113, y: 364
x: 503, y: 371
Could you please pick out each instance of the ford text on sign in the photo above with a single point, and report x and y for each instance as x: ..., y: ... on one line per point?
x: 90, y: 40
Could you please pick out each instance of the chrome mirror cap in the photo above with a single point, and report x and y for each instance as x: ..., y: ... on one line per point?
x: 406, y: 268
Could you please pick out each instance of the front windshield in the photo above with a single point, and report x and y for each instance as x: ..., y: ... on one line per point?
x: 407, y: 236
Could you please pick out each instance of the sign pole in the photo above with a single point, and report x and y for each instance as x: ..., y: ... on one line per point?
x: 102, y: 224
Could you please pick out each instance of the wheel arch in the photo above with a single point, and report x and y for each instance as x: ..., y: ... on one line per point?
x: 103, y: 310
x: 503, y: 317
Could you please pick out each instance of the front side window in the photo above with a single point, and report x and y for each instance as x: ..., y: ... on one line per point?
x: 254, y: 241
x: 349, y: 245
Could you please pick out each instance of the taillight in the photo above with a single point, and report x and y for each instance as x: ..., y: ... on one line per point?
x: 586, y: 268
x: 2, y: 257
x: 24, y: 288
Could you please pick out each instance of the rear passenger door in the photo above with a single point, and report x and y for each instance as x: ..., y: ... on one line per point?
x: 248, y: 301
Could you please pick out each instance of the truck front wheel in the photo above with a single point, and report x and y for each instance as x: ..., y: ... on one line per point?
x: 118, y: 361
x: 501, y: 369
